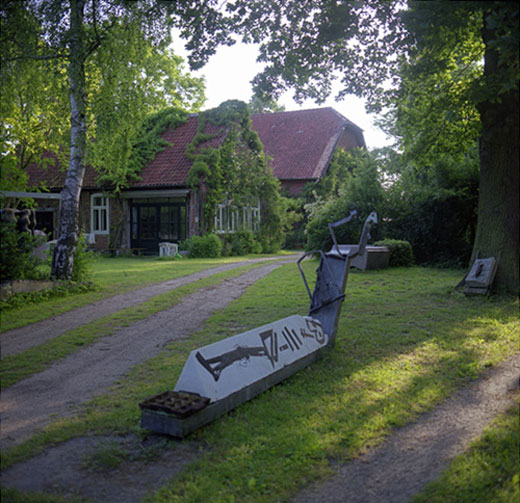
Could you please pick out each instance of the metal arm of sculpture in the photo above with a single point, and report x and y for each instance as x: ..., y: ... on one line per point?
x: 331, y: 276
x: 333, y: 225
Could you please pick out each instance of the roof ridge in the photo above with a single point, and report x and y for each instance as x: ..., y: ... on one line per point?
x: 295, y: 111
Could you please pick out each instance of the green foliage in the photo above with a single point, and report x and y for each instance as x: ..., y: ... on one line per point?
x: 235, y: 172
x: 401, y: 253
x: 293, y: 222
x: 34, y: 107
x: 124, y: 142
x: 207, y: 246
x: 434, y: 207
x: 59, y: 290
x: 362, y: 192
x: 337, y: 177
x: 16, y: 261
x: 316, y: 195
x: 146, y: 143
x: 262, y: 105
x: 240, y: 243
x: 83, y: 258
x: 198, y: 170
x: 445, y: 121
x: 334, y: 33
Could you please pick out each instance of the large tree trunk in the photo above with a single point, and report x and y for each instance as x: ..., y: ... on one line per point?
x: 498, y: 213
x: 63, y: 259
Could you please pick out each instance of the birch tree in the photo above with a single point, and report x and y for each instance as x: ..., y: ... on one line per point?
x: 75, y: 32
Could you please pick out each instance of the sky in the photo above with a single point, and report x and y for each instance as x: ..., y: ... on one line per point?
x: 228, y: 75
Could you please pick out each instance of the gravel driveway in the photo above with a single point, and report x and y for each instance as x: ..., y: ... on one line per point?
x: 19, y: 339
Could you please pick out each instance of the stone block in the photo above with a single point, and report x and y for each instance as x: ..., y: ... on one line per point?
x: 168, y: 249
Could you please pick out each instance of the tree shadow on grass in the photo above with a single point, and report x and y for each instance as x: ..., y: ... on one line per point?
x: 383, y: 373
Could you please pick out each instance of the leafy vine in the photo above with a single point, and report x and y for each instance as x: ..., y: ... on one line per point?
x: 234, y: 171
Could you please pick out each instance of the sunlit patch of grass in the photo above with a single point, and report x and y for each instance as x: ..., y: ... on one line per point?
x: 488, y: 471
x: 405, y: 342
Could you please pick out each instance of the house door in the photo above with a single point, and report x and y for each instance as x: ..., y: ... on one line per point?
x: 153, y: 223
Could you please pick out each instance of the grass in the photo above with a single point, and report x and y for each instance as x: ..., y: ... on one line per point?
x: 108, y: 457
x: 113, y: 276
x: 406, y: 341
x: 489, y: 471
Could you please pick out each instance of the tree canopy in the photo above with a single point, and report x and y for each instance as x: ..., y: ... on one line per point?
x: 127, y: 77
x: 113, y: 57
x: 447, y: 73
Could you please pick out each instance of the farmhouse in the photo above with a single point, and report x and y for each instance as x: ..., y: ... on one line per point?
x: 164, y: 204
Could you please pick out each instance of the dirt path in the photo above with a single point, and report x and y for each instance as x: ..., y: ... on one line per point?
x: 19, y: 339
x: 418, y: 453
x: 409, y: 458
x: 29, y: 405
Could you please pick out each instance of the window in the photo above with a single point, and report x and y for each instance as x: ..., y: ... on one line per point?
x: 231, y: 219
x: 99, y: 214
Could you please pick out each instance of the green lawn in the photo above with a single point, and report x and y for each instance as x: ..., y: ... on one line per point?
x: 406, y: 340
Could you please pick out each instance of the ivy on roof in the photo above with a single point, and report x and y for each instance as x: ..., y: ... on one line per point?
x: 146, y: 145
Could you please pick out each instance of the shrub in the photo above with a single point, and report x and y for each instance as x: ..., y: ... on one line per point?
x: 16, y: 261
x: 240, y: 243
x: 207, y: 246
x: 401, y: 253
x: 434, y: 207
x: 268, y: 245
x: 361, y: 192
x: 61, y: 289
x: 81, y: 270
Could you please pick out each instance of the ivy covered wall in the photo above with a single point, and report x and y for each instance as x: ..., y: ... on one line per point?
x: 234, y: 171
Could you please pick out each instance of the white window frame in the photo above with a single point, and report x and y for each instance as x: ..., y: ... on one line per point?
x: 229, y: 219
x: 234, y: 223
x: 219, y: 219
x: 99, y: 208
x: 254, y: 223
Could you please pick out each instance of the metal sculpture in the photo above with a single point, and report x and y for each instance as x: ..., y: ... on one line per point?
x: 218, y: 377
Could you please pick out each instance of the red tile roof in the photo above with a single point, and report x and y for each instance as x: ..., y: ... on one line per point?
x: 170, y: 166
x: 298, y: 145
